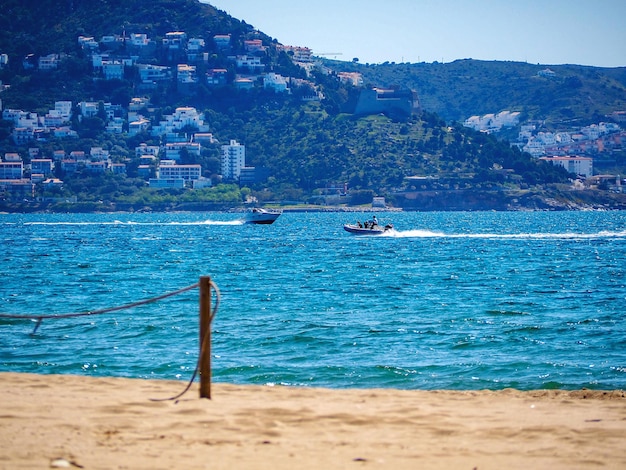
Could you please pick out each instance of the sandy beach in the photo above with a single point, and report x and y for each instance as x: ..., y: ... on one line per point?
x: 63, y: 421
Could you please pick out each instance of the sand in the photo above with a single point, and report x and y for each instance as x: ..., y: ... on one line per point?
x: 64, y: 421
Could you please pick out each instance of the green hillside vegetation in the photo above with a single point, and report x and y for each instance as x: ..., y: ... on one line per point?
x: 577, y: 95
x: 309, y: 149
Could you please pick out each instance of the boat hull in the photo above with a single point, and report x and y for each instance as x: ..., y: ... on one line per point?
x: 261, y: 217
x: 376, y: 230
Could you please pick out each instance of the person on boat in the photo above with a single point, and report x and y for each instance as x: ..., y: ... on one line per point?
x: 374, y: 222
x: 359, y: 224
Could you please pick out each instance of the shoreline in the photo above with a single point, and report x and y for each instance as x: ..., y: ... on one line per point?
x: 327, y: 209
x: 51, y: 421
x: 441, y: 200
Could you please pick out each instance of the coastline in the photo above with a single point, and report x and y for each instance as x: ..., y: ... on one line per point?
x: 52, y: 421
x: 416, y: 201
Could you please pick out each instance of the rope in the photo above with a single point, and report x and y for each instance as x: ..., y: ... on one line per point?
x: 203, y: 345
x: 40, y: 318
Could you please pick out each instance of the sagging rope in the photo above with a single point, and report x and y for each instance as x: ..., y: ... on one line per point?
x: 40, y: 318
x: 203, y: 345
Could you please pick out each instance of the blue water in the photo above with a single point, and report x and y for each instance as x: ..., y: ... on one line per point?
x: 470, y: 300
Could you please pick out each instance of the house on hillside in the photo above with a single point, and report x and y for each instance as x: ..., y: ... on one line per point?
x: 254, y: 46
x: 546, y: 73
x: 195, y: 49
x: 252, y: 64
x: 49, y: 62
x: 222, y: 41
x: 216, y: 77
x: 276, y: 82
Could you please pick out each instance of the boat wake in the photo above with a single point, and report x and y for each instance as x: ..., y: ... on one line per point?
x: 161, y: 224
x: 507, y: 236
x: 222, y: 222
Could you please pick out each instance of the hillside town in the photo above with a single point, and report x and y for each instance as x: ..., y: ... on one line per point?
x: 573, y: 150
x: 184, y: 132
x: 159, y: 165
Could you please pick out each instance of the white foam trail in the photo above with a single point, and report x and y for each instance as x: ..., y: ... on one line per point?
x: 222, y: 222
x: 119, y: 222
x: 414, y: 234
x: 506, y: 236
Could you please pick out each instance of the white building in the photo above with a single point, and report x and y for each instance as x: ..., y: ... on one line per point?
x: 88, y: 43
x: 98, y: 154
x: 161, y: 183
x: 298, y: 54
x: 139, y: 39
x: 276, y: 82
x: 173, y: 149
x: 353, y: 78
x: 222, y: 41
x: 534, y: 147
x: 138, y: 103
x: 563, y: 138
x: 115, y: 125
x: 578, y: 165
x: 249, y: 62
x: 65, y: 131
x: 186, y: 74
x: 11, y: 170
x: 175, y: 40
x: 113, y: 70
x: 546, y: 138
x: 182, y: 117
x: 187, y: 116
x: 49, y: 62
x: 42, y: 166
x: 149, y: 73
x: 184, y: 172
x: 492, y: 122
x: 63, y: 108
x: 233, y: 160
x: 195, y: 49
x: 145, y: 149
x: 138, y: 126
x: 172, y: 175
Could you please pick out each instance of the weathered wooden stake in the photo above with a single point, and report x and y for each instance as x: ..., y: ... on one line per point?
x: 205, y: 337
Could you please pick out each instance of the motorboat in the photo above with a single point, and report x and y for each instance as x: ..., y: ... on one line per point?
x: 262, y: 216
x: 367, y: 229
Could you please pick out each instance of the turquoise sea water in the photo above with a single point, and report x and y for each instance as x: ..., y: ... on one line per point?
x: 471, y: 300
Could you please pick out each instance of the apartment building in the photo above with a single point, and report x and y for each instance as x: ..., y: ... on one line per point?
x: 233, y: 160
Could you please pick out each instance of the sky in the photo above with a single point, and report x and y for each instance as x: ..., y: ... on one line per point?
x: 547, y: 32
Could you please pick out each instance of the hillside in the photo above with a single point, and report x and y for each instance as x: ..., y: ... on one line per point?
x: 309, y: 150
x: 574, y: 95
x: 42, y: 26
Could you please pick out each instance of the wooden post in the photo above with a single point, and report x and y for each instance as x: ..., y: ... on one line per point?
x: 205, y: 337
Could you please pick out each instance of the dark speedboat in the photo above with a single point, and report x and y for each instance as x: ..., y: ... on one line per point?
x: 367, y: 229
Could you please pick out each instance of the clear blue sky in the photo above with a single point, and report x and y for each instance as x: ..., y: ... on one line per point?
x: 550, y: 32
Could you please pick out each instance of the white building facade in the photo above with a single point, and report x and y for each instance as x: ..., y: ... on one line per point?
x: 578, y: 165
x: 233, y: 160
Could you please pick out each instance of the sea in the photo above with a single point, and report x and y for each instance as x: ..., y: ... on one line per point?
x: 446, y: 300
